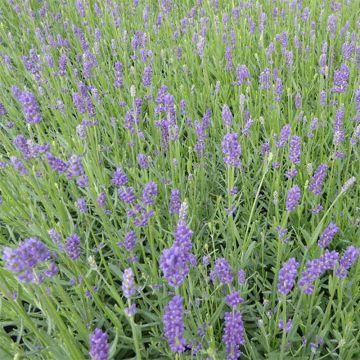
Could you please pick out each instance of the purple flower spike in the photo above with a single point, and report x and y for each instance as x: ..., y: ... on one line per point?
x: 317, y: 180
x: 72, y: 246
x: 99, y: 347
x: 231, y: 149
x: 234, y: 334
x: 293, y: 198
x: 287, y: 276
x: 149, y: 193
x: 315, y: 268
x: 348, y: 259
x: 174, y: 325
x: 234, y: 299
x: 222, y: 271
x: 295, y: 150
x: 327, y: 235
x: 29, y: 105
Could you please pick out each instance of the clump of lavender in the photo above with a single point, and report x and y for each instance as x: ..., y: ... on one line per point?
x: 174, y: 324
x: 293, y: 198
x: 72, y: 246
x: 231, y: 149
x: 28, y: 261
x: 347, y: 260
x: 29, y: 105
x: 287, y: 276
x: 295, y: 150
x: 315, y: 268
x: 317, y: 180
x: 234, y: 334
x: 222, y: 271
x: 327, y: 235
x: 99, y: 347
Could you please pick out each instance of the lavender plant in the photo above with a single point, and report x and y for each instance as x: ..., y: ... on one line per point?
x: 179, y: 179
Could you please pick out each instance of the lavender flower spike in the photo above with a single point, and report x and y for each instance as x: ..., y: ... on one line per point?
x: 233, y: 334
x: 231, y: 149
x: 287, y: 276
x: 317, y: 180
x: 174, y: 325
x: 327, y: 235
x: 293, y: 198
x: 348, y: 259
x: 99, y: 347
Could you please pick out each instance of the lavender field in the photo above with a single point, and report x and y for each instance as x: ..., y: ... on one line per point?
x: 179, y: 179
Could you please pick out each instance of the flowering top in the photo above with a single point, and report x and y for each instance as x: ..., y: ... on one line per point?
x: 287, y: 276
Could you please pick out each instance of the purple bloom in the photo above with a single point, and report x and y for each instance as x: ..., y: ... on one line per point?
x: 317, y: 180
x: 3, y: 111
x: 75, y: 167
x: 128, y: 284
x: 82, y: 205
x: 129, y: 241
x: 231, y: 149
x: 241, y: 277
x: 347, y: 260
x: 142, y: 161
x: 341, y: 78
x: 234, y: 334
x: 175, y: 262
x: 174, y: 324
x: 222, y: 271
x: 327, y: 235
x: 295, y: 150
x: 226, y: 115
x: 29, y: 105
x: 72, y: 246
x: 297, y: 101
x: 293, y: 198
x: 242, y: 75
x: 99, y: 347
x: 131, y: 310
x: 149, y: 193
x: 101, y: 200
x: 18, y: 165
x: 119, y: 177
x: 287, y: 327
x: 284, y: 136
x: 57, y: 164
x: 147, y: 76
x: 315, y: 268
x: 175, y: 202
x: 234, y: 299
x: 287, y: 276
x: 24, y: 259
x: 265, y: 79
x: 339, y: 134
x: 127, y: 194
